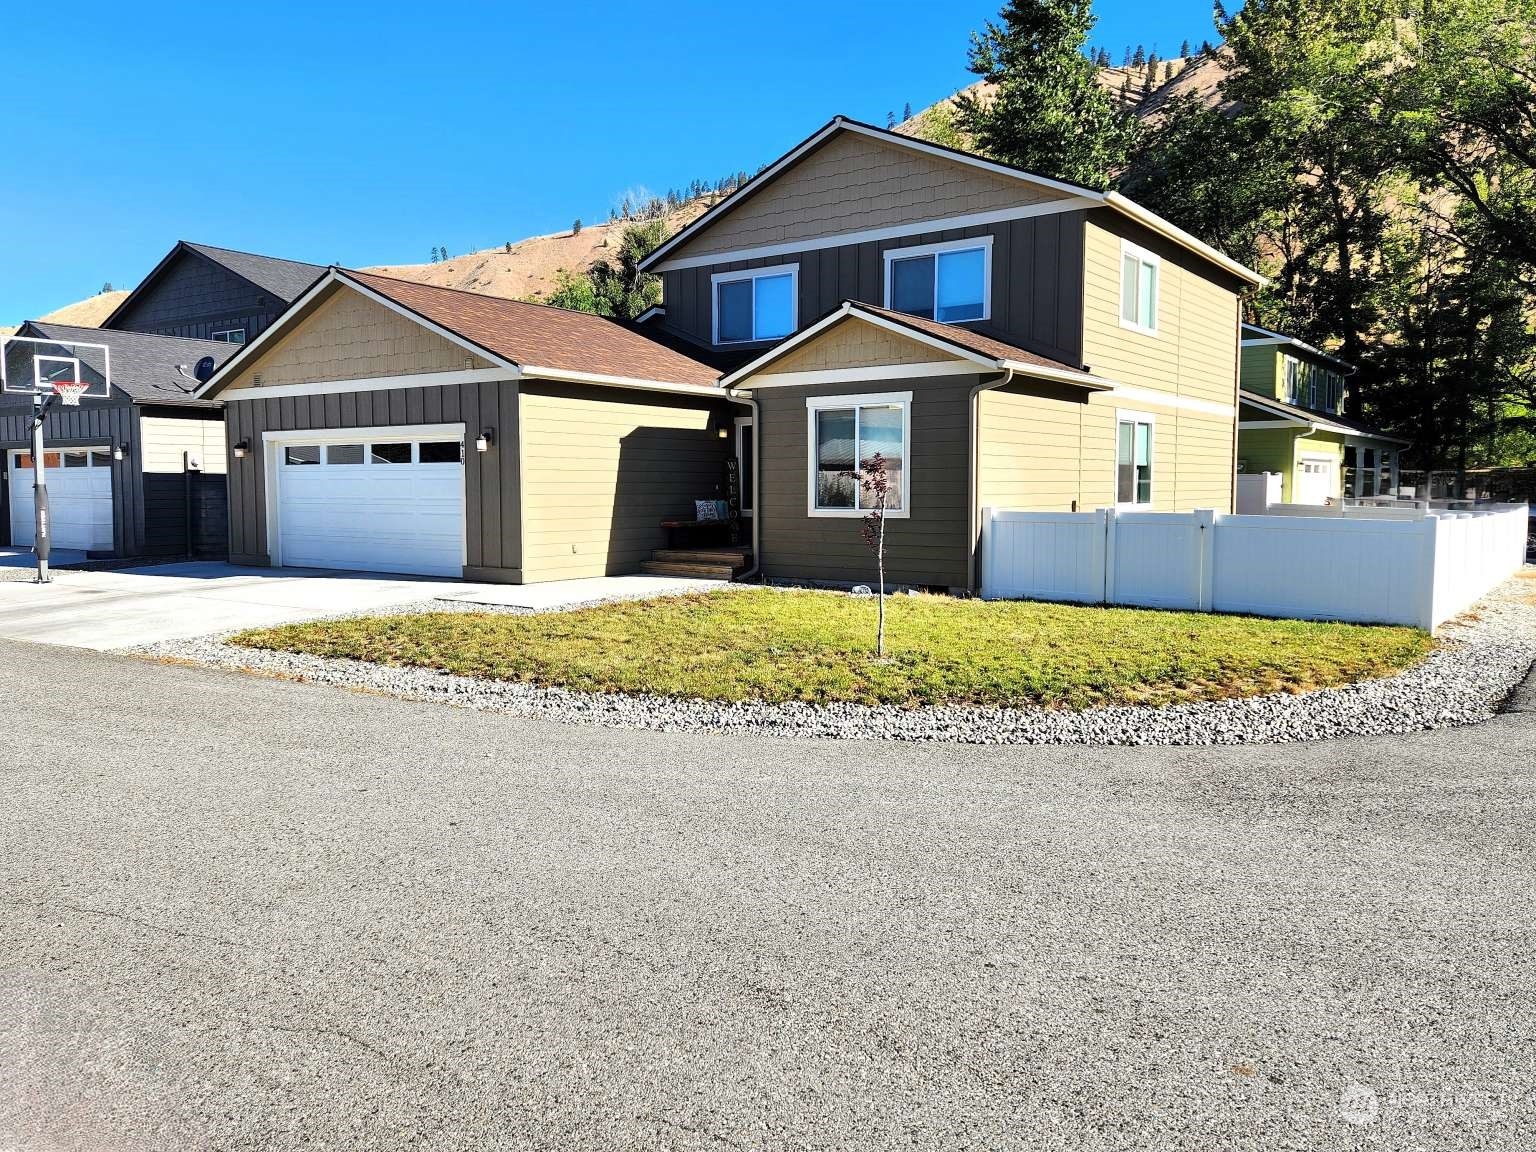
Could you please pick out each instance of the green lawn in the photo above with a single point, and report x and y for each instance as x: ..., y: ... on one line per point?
x: 773, y: 645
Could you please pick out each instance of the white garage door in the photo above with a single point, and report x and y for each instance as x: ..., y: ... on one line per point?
x: 79, y: 498
x: 1314, y: 480
x: 392, y: 505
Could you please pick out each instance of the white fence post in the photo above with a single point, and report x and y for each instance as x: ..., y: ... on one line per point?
x: 1110, y: 523
x: 988, y: 553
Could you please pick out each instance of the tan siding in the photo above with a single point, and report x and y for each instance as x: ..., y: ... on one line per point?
x: 350, y: 337
x: 1193, y: 356
x: 167, y: 440
x: 1031, y: 449
x: 601, y: 469
x: 854, y: 344
x: 854, y: 183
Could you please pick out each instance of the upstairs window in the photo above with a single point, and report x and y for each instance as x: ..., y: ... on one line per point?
x: 1292, y: 380
x: 948, y: 282
x: 229, y: 335
x: 758, y: 304
x: 1140, y: 272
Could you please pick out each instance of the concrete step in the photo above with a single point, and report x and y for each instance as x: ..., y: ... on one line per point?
x: 674, y: 568
x: 733, y: 557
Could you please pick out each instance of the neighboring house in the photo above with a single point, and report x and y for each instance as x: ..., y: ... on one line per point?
x: 386, y: 425
x: 117, y: 467
x: 201, y: 292
x: 1014, y: 341
x: 1292, y: 422
x: 1002, y: 339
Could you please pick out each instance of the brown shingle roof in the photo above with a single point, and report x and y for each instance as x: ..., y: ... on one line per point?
x: 539, y: 336
x: 971, y: 341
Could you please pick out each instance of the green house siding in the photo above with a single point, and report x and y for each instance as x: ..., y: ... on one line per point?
x: 1260, y: 371
x: 1278, y: 449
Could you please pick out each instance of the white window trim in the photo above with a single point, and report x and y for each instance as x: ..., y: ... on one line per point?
x: 754, y: 275
x: 815, y: 404
x: 741, y: 470
x: 983, y: 242
x: 224, y: 335
x: 39, y: 360
x: 1145, y: 257
x: 1149, y: 418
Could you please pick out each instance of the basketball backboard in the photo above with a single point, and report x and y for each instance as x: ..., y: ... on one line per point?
x: 36, y: 364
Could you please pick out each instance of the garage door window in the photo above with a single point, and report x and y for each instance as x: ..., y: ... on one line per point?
x: 391, y: 453
x: 301, y: 454
x: 101, y: 459
x: 76, y: 460
x: 441, y: 451
x: 344, y: 454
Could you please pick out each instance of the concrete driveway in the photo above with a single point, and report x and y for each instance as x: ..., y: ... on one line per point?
x: 142, y: 605
x: 239, y: 913
x: 127, y: 607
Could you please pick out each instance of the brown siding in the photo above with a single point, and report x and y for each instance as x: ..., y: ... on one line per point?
x: 928, y: 547
x: 491, y: 499
x: 603, y: 467
x: 854, y: 182
x: 1037, y: 283
x: 350, y: 337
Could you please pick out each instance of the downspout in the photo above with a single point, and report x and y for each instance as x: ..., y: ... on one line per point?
x: 973, y: 493
x: 757, y: 494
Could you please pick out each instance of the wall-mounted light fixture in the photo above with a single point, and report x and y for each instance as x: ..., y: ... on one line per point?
x: 723, y: 432
x: 242, y: 449
x: 486, y: 440
x: 120, y: 451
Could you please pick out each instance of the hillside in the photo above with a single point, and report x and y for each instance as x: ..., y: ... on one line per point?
x: 528, y: 270
x: 87, y: 313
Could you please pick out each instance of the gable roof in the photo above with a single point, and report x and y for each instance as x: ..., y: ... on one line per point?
x: 534, y: 340
x: 144, y: 366
x: 840, y: 124
x: 1318, y: 421
x: 989, y: 354
x: 284, y: 279
x: 1265, y: 336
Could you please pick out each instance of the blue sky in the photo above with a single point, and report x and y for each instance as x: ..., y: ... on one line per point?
x: 368, y: 134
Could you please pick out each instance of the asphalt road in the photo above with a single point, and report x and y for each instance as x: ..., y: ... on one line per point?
x: 242, y: 913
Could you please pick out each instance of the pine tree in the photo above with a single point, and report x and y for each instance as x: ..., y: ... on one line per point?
x: 906, y: 110
x: 1139, y: 58
x: 1050, y: 114
x: 1125, y: 61
x: 576, y: 227
x: 107, y: 287
x: 890, y: 120
x: 1184, y: 50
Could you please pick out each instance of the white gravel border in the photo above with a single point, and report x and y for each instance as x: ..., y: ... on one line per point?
x: 1484, y: 656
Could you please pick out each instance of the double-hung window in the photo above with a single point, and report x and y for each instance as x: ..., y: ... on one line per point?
x: 1292, y: 380
x: 949, y: 282
x: 755, y: 304
x: 1133, y: 459
x: 846, y: 433
x: 1140, y: 273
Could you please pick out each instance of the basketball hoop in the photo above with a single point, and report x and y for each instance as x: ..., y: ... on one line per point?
x: 69, y: 392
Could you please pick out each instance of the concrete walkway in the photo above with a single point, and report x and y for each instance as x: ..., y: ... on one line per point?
x: 132, y: 606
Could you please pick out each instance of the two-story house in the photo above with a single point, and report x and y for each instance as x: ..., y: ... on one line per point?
x: 1292, y: 421
x: 998, y: 337
x: 1007, y: 340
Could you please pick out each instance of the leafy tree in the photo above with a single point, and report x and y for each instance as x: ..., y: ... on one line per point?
x: 1049, y: 114
x: 875, y: 481
x: 615, y: 287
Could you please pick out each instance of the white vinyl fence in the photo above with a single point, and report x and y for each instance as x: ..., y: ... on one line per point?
x: 1419, y: 571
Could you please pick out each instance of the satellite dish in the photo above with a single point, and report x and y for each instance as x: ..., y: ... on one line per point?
x: 204, y: 369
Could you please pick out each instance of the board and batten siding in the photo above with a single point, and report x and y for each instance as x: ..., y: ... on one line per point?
x: 493, y: 518
x: 929, y: 547
x: 1191, y: 357
x: 95, y: 423
x: 350, y: 337
x: 603, y: 467
x: 852, y: 183
x: 167, y: 440
x: 196, y: 297
x: 1037, y: 271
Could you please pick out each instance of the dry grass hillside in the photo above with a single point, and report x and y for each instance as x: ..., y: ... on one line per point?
x: 528, y: 271
x: 88, y: 313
